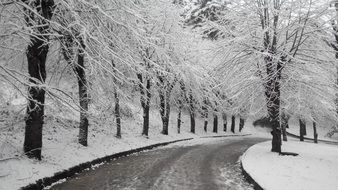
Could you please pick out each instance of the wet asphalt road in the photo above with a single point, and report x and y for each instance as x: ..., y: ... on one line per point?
x: 205, y: 164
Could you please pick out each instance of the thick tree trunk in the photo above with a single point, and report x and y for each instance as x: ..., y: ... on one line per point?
x: 315, y: 134
x: 273, y: 95
x: 301, y: 129
x: 335, y: 47
x: 215, y: 128
x: 273, y: 71
x: 272, y: 92
x: 233, y: 123
x: 80, y: 72
x: 164, y: 94
x: 117, y: 106
x: 241, y: 124
x: 145, y: 102
x: 36, y: 54
x: 224, y: 116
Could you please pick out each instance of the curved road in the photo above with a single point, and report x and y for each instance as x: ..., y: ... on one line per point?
x: 205, y: 164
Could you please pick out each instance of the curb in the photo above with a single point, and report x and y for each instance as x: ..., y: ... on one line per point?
x: 47, y: 181
x: 310, y: 139
x: 218, y: 136
x: 247, y: 176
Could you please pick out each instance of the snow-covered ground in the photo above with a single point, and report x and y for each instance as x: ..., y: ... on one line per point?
x: 322, y: 130
x: 315, y: 167
x: 61, y: 150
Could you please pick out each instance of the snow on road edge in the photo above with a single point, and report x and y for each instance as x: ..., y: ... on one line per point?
x: 314, y: 168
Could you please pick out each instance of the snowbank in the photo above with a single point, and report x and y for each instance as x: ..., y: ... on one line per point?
x: 315, y: 167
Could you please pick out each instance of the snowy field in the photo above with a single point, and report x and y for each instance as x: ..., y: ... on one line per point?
x: 315, y: 167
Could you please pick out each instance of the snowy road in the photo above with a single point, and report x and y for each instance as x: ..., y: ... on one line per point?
x: 205, y: 164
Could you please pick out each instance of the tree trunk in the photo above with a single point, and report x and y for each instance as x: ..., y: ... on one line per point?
x: 233, y: 123
x: 36, y: 53
x: 335, y: 46
x: 273, y: 71
x: 80, y: 72
x: 215, y: 128
x: 192, y: 113
x: 206, y: 123
x: 301, y: 129
x: 179, y: 116
x: 192, y: 121
x: 146, y: 110
x: 167, y: 115
x: 117, y: 106
x: 272, y: 93
x: 117, y: 115
x: 284, y: 125
x: 224, y: 116
x: 241, y: 124
x: 164, y: 94
x: 205, y: 116
x: 163, y: 112
x: 315, y: 134
x: 179, y: 121
x: 145, y: 102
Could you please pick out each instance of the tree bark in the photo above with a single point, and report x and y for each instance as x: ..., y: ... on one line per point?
x: 215, y: 129
x: 315, y: 134
x: 192, y: 121
x: 205, y: 116
x: 335, y: 46
x: 192, y: 113
x: 241, y: 124
x: 179, y: 121
x: 145, y: 102
x: 224, y: 116
x: 233, y: 123
x: 147, y: 109
x: 206, y: 123
x: 179, y: 115
x: 301, y: 129
x: 164, y: 94
x: 80, y: 72
x: 163, y: 112
x: 117, y: 106
x: 36, y: 53
x: 284, y: 125
x: 273, y: 71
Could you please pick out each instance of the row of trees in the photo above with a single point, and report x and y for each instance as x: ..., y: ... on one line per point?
x: 113, y: 48
x: 281, y: 54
